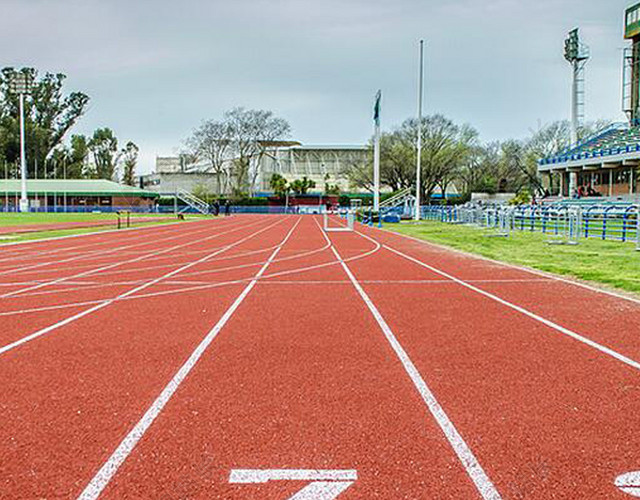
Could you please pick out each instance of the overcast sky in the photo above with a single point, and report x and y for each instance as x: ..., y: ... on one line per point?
x: 155, y: 69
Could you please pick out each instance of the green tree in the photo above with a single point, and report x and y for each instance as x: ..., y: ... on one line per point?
x: 302, y: 186
x: 49, y: 116
x: 129, y: 162
x: 104, y: 150
x: 279, y: 185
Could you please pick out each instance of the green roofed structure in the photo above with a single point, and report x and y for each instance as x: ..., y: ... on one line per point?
x: 94, y: 194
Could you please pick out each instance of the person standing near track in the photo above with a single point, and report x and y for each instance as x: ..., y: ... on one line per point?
x: 216, y: 208
x: 227, y: 208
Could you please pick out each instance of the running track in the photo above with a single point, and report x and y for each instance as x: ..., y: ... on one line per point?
x: 258, y: 357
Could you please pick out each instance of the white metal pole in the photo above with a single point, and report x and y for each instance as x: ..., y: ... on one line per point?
x: 64, y: 176
x: 6, y: 187
x: 376, y: 152
x: 376, y: 168
x: 24, y: 201
x: 419, y: 145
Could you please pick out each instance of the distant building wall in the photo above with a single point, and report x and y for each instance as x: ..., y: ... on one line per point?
x: 321, y: 164
x: 166, y: 183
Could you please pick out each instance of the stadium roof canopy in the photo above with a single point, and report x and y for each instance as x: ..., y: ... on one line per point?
x: 616, y: 145
x: 74, y: 187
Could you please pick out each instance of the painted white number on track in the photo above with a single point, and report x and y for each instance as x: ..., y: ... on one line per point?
x: 629, y: 483
x: 325, y: 484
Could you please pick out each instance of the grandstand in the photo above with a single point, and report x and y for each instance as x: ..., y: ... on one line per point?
x: 605, y: 164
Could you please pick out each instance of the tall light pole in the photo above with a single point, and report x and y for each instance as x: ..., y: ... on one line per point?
x: 21, y: 84
x: 419, y: 145
x: 576, y: 54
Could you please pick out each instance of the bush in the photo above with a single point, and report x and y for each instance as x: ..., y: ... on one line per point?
x: 522, y: 198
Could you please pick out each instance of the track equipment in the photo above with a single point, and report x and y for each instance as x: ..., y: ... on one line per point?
x: 343, y: 221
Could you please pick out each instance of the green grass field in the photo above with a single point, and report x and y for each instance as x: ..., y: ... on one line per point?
x: 20, y: 219
x: 8, y: 220
x: 608, y: 262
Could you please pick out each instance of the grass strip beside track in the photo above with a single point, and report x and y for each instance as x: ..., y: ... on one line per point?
x: 39, y: 235
x: 611, y: 263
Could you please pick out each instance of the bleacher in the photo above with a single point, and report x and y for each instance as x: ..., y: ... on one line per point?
x: 616, y: 139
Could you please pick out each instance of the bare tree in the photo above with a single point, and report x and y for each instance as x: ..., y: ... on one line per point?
x: 251, y: 132
x: 211, y: 141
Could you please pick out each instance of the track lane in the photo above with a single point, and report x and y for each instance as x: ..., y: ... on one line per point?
x: 16, y: 300
x: 88, y: 383
x: 547, y: 416
x: 312, y: 384
x: 611, y: 321
x: 84, y: 261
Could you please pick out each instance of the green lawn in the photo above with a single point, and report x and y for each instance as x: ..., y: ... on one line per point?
x: 611, y: 263
x: 7, y: 220
x: 19, y: 219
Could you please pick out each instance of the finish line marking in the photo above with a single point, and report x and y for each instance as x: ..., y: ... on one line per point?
x: 324, y: 485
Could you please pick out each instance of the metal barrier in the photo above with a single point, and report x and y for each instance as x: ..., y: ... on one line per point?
x: 563, y: 222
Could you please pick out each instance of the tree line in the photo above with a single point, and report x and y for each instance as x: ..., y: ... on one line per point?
x: 453, y: 154
x: 51, y: 150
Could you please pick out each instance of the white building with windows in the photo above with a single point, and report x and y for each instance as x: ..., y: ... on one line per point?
x: 320, y: 163
x: 324, y: 164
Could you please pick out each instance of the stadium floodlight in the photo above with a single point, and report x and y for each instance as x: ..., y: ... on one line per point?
x: 21, y: 83
x: 576, y: 54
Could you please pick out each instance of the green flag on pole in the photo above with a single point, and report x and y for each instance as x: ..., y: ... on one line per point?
x: 376, y: 108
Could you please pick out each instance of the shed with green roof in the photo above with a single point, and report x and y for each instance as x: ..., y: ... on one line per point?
x: 96, y: 193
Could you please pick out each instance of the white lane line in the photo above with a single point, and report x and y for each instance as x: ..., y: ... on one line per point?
x: 570, y: 333
x: 23, y: 254
x: 129, y: 293
x: 168, y: 225
x: 84, y: 256
x: 94, y: 271
x: 102, y: 478
x: 516, y: 266
x: 473, y: 468
x: 196, y: 287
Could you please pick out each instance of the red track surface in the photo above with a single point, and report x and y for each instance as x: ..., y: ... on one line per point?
x: 153, y: 363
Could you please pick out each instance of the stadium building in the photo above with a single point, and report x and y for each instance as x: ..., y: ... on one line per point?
x: 78, y: 195
x: 323, y: 164
x: 606, y: 164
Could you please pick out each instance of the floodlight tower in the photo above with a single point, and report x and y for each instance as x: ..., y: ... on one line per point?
x: 20, y: 84
x: 577, y: 54
x: 631, y: 74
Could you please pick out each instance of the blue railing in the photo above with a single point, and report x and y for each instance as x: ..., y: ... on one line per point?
x: 606, y: 222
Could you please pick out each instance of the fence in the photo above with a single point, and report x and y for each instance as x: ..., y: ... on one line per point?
x: 605, y: 222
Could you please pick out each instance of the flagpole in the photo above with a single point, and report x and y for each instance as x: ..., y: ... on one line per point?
x: 419, y: 146
x: 376, y: 156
